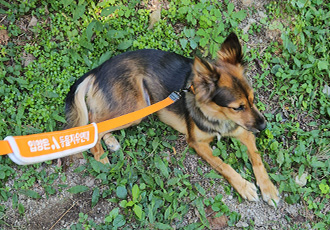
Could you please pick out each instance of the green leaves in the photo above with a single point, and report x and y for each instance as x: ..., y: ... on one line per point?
x: 119, y: 221
x: 135, y: 192
x: 138, y: 211
x: 211, y: 30
x: 98, y: 166
x: 95, y: 196
x: 79, y: 11
x: 288, y: 44
x: 125, y: 45
x: 115, y: 218
x: 325, y: 189
x: 5, y: 173
x: 230, y: 8
x: 162, y: 226
x: 192, y: 38
x: 30, y: 193
x: 161, y: 166
x: 299, y: 71
x: 112, y: 215
x: 78, y: 189
x: 104, y: 57
x: 322, y: 65
x: 137, y: 208
x: 109, y: 10
x: 201, y: 209
x: 121, y: 192
x: 95, y: 25
x: 66, y: 2
x: 240, y: 15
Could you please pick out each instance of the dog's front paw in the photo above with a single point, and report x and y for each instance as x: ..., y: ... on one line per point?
x: 248, y: 190
x: 269, y: 193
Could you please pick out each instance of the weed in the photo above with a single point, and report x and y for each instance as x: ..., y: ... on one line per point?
x: 148, y: 186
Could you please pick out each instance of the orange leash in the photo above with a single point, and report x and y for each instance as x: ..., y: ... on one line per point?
x: 130, y: 117
x: 41, y: 147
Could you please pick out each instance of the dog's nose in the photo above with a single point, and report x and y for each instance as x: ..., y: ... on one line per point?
x: 261, y: 124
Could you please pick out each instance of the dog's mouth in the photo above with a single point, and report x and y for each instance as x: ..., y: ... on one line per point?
x: 250, y: 129
x: 254, y: 129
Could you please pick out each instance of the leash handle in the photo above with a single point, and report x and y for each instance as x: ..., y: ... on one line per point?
x: 35, y: 148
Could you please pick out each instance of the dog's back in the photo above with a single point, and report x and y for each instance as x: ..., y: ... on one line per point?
x: 125, y: 83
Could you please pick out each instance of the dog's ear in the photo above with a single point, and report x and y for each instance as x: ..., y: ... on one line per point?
x: 205, y: 78
x: 204, y: 69
x: 231, y: 50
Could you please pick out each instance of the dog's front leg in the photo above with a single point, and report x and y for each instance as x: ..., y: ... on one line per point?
x: 268, y: 189
x: 246, y: 189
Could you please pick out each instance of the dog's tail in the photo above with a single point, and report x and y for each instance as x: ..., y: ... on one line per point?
x: 76, y: 112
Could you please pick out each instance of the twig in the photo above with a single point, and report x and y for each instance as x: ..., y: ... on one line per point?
x: 74, y: 203
x: 3, y: 18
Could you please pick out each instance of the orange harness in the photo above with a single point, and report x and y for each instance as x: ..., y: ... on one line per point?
x: 41, y: 147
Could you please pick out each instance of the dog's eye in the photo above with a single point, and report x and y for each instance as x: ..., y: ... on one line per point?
x: 241, y: 108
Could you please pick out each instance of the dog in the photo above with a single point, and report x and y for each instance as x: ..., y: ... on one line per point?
x: 220, y: 103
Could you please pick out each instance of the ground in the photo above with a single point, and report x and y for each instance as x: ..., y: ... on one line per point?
x: 62, y: 210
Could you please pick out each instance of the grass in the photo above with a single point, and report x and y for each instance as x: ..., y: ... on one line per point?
x: 147, y: 184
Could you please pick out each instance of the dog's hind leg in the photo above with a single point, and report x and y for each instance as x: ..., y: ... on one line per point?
x: 111, y: 142
x: 121, y: 103
x: 98, y: 151
x: 109, y: 139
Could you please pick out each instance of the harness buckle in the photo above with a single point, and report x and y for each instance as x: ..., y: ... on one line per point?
x: 175, y: 95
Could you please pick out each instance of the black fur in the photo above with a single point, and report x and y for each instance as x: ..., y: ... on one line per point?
x: 223, y: 96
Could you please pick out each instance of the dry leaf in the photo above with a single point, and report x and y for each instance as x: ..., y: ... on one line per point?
x: 301, y: 180
x: 4, y: 37
x: 174, y: 151
x: 33, y: 22
x: 216, y: 223
x: 154, y: 17
x: 27, y: 59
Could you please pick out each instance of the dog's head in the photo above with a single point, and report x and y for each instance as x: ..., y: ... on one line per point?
x: 222, y: 91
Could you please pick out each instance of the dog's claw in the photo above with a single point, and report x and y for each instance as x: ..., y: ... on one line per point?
x: 270, y: 194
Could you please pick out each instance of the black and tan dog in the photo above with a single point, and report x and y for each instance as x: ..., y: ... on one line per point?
x: 222, y: 103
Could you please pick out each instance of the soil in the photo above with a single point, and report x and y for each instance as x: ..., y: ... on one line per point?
x: 62, y: 210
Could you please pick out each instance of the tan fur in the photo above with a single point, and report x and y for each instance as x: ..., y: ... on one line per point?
x: 79, y: 115
x: 172, y: 120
